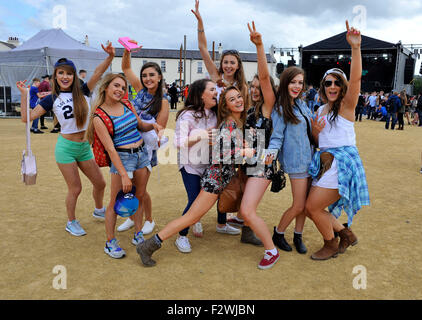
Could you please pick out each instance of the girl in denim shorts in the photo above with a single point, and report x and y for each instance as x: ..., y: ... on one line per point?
x: 126, y: 150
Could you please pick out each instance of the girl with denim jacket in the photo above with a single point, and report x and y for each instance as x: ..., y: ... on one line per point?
x: 291, y: 129
x: 339, y: 180
x: 228, y: 151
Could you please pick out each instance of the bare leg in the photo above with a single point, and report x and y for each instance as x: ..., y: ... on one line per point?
x: 199, y: 208
x: 254, y: 191
x: 110, y: 216
x: 318, y: 200
x: 93, y: 173
x: 70, y: 173
x: 300, y: 188
x: 141, y: 177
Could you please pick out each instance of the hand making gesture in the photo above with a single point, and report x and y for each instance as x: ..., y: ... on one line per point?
x: 109, y: 49
x: 254, y: 35
x: 196, y: 12
x: 353, y: 36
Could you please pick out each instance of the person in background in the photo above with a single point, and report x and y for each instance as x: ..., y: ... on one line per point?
x: 172, y: 91
x: 310, y: 98
x: 44, y: 90
x: 359, y: 108
x: 393, y: 104
x: 401, y: 110
x: 34, y: 98
x: 82, y: 76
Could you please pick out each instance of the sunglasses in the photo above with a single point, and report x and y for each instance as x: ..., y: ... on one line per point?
x: 230, y: 52
x: 329, y: 83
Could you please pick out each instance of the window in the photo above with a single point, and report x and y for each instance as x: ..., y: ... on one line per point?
x: 163, y: 66
x: 180, y: 66
x: 199, y: 67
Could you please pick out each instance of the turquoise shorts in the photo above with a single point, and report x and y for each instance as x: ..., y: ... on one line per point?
x: 70, y: 151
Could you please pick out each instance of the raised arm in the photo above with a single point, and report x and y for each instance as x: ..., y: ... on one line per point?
x: 102, y: 67
x: 263, y: 73
x: 202, y: 46
x: 354, y: 39
x: 35, y: 113
x: 130, y: 75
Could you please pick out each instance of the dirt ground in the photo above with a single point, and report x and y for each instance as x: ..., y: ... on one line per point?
x: 34, y: 239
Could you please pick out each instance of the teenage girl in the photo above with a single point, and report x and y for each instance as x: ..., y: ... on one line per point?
x: 152, y: 106
x: 228, y: 151
x: 70, y: 104
x: 339, y: 180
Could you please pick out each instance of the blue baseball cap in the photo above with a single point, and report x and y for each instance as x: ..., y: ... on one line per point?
x: 65, y: 62
x: 126, y: 203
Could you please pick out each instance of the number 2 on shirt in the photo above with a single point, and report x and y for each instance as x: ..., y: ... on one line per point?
x: 68, y: 114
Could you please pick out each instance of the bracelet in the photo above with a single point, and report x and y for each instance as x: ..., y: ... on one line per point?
x: 200, y: 30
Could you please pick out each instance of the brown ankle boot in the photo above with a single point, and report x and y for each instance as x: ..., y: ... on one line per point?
x: 347, y: 238
x: 329, y: 250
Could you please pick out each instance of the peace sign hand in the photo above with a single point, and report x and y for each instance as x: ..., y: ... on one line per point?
x: 353, y: 36
x: 196, y: 12
x: 255, y: 36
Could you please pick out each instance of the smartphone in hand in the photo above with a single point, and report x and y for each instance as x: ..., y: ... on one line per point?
x: 128, y: 45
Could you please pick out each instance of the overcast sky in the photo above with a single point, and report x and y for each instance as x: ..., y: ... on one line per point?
x: 163, y: 23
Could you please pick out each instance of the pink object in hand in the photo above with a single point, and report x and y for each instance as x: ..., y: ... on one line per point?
x: 129, y: 46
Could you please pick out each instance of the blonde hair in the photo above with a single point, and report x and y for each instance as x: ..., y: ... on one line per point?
x: 100, y: 99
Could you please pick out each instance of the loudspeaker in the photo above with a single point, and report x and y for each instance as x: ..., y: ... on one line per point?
x: 5, y: 99
x: 280, y: 68
x: 291, y: 63
x: 408, y: 70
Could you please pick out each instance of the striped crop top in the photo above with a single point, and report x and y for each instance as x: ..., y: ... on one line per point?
x: 125, y: 129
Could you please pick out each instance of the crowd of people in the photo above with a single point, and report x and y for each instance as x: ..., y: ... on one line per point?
x: 238, y: 125
x: 379, y: 106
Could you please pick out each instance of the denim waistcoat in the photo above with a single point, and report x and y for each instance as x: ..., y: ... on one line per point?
x: 295, y: 151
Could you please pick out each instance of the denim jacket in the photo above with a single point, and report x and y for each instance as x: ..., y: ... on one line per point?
x: 295, y: 150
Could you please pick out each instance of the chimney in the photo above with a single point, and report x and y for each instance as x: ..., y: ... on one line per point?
x: 13, y: 41
x: 86, y: 42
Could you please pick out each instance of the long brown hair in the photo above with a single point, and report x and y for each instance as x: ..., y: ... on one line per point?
x: 158, y: 96
x: 260, y: 103
x: 239, y: 75
x: 283, y: 99
x: 224, y: 113
x: 194, y: 100
x: 343, y: 90
x: 100, y: 99
x: 80, y: 105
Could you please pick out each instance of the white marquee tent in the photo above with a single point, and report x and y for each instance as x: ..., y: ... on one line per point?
x: 37, y: 56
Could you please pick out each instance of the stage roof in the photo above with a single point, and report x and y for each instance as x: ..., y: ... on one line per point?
x: 339, y: 42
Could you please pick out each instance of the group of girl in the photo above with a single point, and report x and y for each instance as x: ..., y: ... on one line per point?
x: 318, y: 152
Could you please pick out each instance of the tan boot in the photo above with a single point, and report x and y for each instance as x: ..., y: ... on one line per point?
x: 329, y: 250
x: 347, y: 238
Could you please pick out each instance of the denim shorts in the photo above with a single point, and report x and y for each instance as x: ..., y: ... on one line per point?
x: 132, y: 161
x: 302, y: 175
x: 68, y: 151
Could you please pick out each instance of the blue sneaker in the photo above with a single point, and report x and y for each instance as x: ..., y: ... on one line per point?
x: 138, y: 238
x: 75, y: 228
x: 99, y: 214
x: 113, y: 249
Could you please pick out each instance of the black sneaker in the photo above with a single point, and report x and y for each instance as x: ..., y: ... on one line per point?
x: 37, y: 131
x: 280, y: 242
x: 55, y: 130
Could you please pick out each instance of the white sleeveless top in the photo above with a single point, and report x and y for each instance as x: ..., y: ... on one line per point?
x: 336, y: 134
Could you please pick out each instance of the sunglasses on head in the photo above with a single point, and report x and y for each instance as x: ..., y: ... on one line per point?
x: 230, y: 52
x: 329, y: 83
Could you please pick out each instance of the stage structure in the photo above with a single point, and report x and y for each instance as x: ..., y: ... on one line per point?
x: 385, y: 66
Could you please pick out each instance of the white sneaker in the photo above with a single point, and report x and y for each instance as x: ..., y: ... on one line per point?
x: 148, y: 227
x: 182, y: 243
x: 126, y: 225
x: 197, y: 230
x: 228, y: 229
